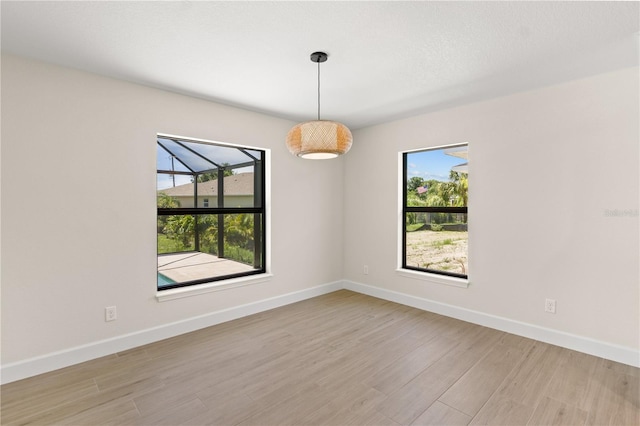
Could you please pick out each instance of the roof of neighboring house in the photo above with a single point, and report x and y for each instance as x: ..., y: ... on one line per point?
x: 460, y: 152
x: 240, y: 184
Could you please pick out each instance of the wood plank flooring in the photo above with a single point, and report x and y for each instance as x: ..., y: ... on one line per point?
x: 339, y: 359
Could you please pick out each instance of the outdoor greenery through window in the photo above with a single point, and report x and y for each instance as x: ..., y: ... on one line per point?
x: 435, y: 193
x: 211, y: 212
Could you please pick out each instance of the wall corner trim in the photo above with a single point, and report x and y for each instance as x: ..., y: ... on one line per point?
x: 622, y: 354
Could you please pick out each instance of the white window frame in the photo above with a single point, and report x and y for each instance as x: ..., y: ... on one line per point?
x: 198, y: 289
x: 424, y: 276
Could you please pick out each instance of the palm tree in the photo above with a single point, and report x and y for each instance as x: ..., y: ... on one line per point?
x: 240, y: 230
x: 459, y: 187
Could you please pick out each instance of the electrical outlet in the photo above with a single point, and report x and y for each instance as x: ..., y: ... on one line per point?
x: 366, y: 269
x: 550, y: 306
x: 110, y: 313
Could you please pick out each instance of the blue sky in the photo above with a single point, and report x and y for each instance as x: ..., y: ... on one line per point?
x: 433, y: 164
x: 166, y: 181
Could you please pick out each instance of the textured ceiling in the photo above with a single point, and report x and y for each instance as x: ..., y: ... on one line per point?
x: 386, y: 59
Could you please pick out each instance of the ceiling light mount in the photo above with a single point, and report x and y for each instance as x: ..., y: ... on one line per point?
x: 319, y: 57
x: 319, y: 139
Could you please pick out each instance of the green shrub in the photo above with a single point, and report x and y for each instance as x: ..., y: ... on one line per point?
x: 415, y: 227
x: 436, y: 227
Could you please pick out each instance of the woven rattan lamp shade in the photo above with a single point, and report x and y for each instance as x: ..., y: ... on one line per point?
x: 319, y: 139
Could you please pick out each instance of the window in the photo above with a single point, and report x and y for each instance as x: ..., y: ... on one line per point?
x: 211, y: 211
x: 434, y: 210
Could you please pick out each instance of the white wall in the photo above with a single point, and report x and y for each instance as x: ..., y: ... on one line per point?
x: 78, y: 209
x: 545, y: 167
x: 78, y: 200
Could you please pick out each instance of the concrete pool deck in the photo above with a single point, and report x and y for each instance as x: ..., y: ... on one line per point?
x: 190, y: 266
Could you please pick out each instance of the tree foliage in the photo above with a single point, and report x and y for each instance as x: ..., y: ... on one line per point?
x: 238, y: 234
x: 213, y: 174
x: 453, y: 193
x: 165, y: 202
x: 180, y: 228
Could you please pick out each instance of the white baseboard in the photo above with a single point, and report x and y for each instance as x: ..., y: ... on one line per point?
x: 56, y: 360
x: 625, y: 355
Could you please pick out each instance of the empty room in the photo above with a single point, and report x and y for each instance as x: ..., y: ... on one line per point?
x: 357, y: 213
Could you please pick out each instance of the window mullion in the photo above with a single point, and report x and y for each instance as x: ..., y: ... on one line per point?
x: 220, y: 215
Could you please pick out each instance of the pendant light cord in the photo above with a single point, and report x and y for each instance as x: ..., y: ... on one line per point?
x: 318, y: 90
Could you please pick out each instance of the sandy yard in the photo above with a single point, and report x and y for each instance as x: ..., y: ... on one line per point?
x: 442, y: 250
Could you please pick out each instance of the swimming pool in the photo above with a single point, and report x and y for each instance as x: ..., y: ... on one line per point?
x: 164, y: 280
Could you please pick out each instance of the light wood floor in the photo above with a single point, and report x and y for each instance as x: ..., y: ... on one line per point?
x: 339, y: 359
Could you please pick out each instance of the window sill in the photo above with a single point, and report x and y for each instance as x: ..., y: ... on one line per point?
x: 195, y: 290
x: 434, y: 278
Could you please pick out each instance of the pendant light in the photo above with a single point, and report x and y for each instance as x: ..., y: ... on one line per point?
x: 319, y: 139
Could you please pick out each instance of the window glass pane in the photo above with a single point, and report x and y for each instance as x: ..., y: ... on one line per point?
x: 176, y: 233
x: 197, y: 247
x: 436, y: 190
x: 222, y: 155
x: 174, y: 191
x: 437, y: 242
x: 239, y: 189
x: 254, y: 154
x: 240, y: 242
x: 200, y: 157
x: 167, y: 161
x: 191, y: 160
x: 437, y: 178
